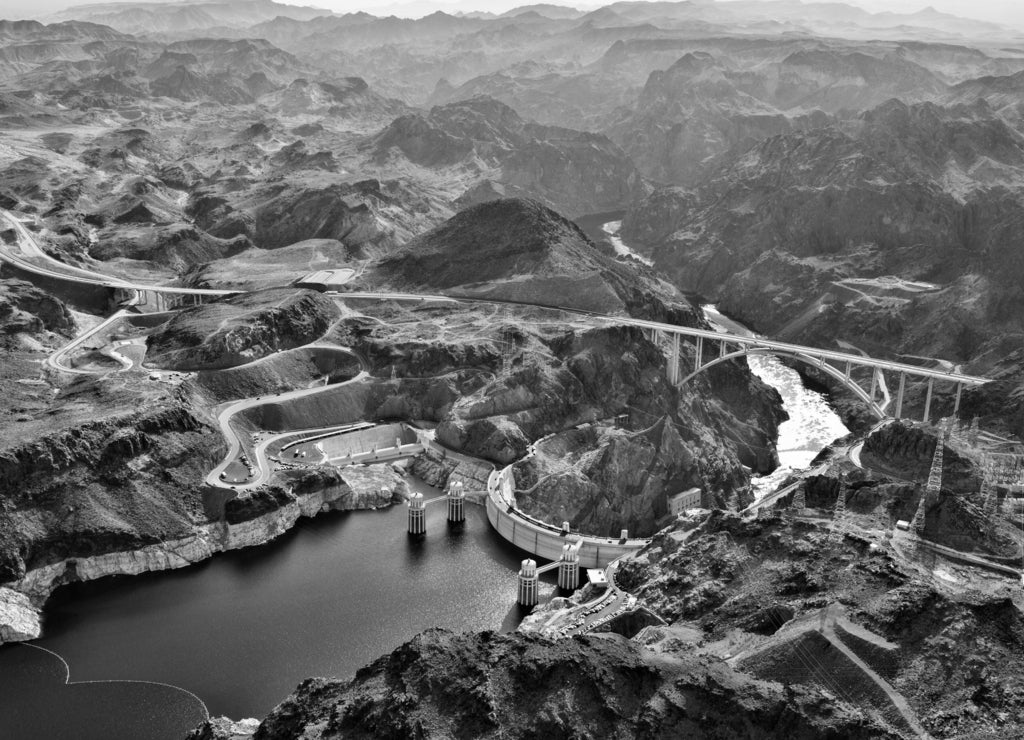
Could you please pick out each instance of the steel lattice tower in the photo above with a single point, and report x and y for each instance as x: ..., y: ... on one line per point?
x: 972, y: 434
x: 935, y: 474
x: 988, y: 501
x: 934, y: 484
x: 839, y: 515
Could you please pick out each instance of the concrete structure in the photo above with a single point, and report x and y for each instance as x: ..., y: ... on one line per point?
x: 326, y: 279
x: 542, y: 539
x: 528, y: 584
x: 568, y: 565
x: 456, y: 502
x: 597, y: 578
x: 417, y: 515
x: 680, y: 502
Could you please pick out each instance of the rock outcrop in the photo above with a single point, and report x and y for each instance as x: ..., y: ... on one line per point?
x: 19, y: 619
x: 25, y: 308
x: 517, y: 686
x: 240, y: 329
x: 573, y: 171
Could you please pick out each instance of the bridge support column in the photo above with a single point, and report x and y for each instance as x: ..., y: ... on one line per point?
x: 848, y: 368
x: 928, y: 400
x: 956, y: 403
x: 417, y: 515
x: 899, y: 395
x: 673, y: 361
x: 527, y: 595
x: 874, y: 383
x: 698, y: 361
x: 456, y: 503
x: 721, y: 348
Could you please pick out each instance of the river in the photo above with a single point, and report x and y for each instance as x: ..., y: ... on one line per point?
x: 812, y: 425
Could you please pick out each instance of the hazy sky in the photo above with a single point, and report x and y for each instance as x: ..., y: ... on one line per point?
x: 1010, y: 12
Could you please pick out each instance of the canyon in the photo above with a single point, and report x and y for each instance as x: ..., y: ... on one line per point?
x: 263, y: 265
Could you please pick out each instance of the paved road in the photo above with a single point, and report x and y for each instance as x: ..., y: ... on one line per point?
x: 262, y: 464
x: 32, y: 254
x: 59, y: 359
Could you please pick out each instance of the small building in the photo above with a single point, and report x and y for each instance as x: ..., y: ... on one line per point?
x: 597, y: 578
x: 903, y: 524
x: 680, y: 502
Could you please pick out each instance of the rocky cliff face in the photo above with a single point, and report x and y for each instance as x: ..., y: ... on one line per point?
x: 799, y: 234
x: 739, y: 582
x: 25, y: 308
x: 520, y: 250
x: 489, y: 686
x: 240, y: 329
x: 573, y: 171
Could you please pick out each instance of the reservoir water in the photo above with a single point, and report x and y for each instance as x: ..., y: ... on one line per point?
x: 242, y: 629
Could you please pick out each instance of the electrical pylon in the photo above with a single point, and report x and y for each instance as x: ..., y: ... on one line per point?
x: 839, y: 515
x: 934, y: 485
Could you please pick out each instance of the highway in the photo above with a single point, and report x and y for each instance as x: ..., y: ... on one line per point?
x: 32, y: 254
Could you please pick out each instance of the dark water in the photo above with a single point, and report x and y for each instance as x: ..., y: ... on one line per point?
x: 241, y: 630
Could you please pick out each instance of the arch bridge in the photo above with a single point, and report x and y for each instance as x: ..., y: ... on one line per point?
x: 866, y: 377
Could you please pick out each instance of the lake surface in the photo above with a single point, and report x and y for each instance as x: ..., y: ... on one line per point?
x: 242, y: 629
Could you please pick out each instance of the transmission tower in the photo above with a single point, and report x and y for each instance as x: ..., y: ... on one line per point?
x: 507, y: 345
x: 934, y: 485
x: 799, y: 498
x: 839, y: 516
x: 988, y: 501
x: 935, y: 474
x: 972, y: 434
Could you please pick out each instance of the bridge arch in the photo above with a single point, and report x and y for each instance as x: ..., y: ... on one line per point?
x: 801, y: 357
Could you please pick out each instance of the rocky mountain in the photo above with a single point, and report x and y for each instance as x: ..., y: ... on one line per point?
x: 240, y: 329
x: 799, y: 233
x: 25, y: 309
x: 572, y: 171
x: 472, y: 685
x: 517, y: 249
x: 189, y: 17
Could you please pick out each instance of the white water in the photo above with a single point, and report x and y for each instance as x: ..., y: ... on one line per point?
x: 812, y: 423
x: 612, y: 229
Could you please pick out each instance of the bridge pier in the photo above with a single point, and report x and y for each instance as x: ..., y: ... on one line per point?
x: 722, y: 348
x: 417, y: 515
x: 899, y: 395
x: 956, y: 403
x: 527, y: 595
x: 928, y: 400
x: 673, y: 360
x: 700, y: 351
x: 874, y: 384
x: 456, y: 503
